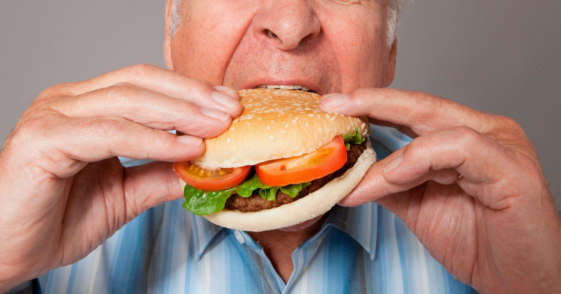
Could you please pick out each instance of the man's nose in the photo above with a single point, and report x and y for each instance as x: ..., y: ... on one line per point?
x: 286, y: 23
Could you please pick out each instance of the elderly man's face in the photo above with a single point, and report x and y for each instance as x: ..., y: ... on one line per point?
x: 325, y: 45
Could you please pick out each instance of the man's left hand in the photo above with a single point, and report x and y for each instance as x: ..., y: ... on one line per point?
x: 469, y: 186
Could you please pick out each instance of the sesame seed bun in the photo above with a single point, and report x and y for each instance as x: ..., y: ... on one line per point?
x: 276, y: 124
x: 309, y: 207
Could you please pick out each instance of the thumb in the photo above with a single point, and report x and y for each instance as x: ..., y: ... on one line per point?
x: 149, y: 185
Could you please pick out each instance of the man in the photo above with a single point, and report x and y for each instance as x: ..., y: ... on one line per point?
x: 469, y: 186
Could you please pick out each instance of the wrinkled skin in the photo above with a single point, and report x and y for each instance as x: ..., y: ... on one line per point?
x: 470, y: 187
x: 63, y: 192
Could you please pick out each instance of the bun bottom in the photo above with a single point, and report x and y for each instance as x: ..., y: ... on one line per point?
x: 311, y: 206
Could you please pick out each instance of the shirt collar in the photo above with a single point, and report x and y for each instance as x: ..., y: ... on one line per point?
x: 204, y: 232
x: 361, y: 223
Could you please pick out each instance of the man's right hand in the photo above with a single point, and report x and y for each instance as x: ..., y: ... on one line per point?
x: 63, y: 191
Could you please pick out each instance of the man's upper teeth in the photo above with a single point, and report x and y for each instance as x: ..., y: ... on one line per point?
x: 284, y: 87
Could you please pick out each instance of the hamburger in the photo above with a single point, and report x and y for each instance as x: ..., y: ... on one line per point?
x: 282, y: 162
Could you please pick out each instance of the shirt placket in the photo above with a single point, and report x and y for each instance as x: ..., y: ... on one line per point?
x: 272, y: 282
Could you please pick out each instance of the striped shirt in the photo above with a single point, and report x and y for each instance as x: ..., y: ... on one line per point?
x: 167, y: 249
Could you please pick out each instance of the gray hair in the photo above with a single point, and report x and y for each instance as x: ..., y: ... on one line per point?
x: 394, y: 8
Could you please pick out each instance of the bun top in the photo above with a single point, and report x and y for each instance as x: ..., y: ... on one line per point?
x: 276, y: 124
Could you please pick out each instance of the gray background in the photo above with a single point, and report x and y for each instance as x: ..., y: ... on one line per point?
x: 502, y: 57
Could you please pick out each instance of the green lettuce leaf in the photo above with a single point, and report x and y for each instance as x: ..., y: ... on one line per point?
x: 202, y: 203
x: 247, y: 187
x: 294, y: 189
x: 269, y: 194
x: 355, y: 138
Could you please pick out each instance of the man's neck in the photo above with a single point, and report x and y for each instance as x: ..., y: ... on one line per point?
x: 279, y: 246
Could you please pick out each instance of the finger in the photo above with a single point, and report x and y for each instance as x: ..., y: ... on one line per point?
x: 152, y: 109
x: 374, y: 186
x: 415, y: 113
x: 489, y: 171
x: 58, y: 148
x: 149, y: 185
x: 159, y: 80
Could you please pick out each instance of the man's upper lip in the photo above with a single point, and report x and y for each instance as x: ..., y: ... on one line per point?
x: 310, y: 85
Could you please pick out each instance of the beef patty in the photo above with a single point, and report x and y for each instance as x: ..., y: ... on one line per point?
x: 256, y: 203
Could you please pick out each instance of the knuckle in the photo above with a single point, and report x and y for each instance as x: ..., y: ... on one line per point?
x: 428, y: 102
x: 509, y: 124
x: 417, y: 147
x: 37, y: 122
x: 56, y: 90
x: 34, y: 128
x: 124, y: 85
x: 141, y: 69
x: 118, y: 91
x: 466, y: 136
x: 109, y: 128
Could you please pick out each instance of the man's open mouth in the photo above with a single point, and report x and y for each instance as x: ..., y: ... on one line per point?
x: 285, y: 87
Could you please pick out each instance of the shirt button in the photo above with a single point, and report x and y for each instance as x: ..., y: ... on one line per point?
x: 239, y: 236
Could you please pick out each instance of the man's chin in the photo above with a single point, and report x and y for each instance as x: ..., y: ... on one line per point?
x: 303, y: 225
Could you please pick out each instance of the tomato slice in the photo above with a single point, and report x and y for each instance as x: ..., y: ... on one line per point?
x: 305, y: 168
x: 210, y: 180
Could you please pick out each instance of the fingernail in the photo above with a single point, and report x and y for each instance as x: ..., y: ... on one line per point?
x: 393, y: 164
x: 224, y: 99
x: 228, y: 91
x: 334, y: 101
x: 215, y: 113
x: 189, y: 140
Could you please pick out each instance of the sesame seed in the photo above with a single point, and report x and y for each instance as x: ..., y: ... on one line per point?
x: 246, y: 146
x: 283, y: 131
x: 286, y: 126
x: 294, y: 121
x: 320, y: 130
x: 258, y: 118
x: 333, y: 117
x: 310, y: 115
x: 319, y: 116
x: 231, y: 129
x: 327, y: 115
x: 329, y: 130
x: 307, y: 125
x: 296, y: 118
x: 290, y: 114
x: 296, y: 149
x: 271, y: 137
x: 248, y: 124
x: 363, y: 125
x: 268, y: 128
x: 280, y: 136
x: 273, y: 121
x: 228, y: 141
